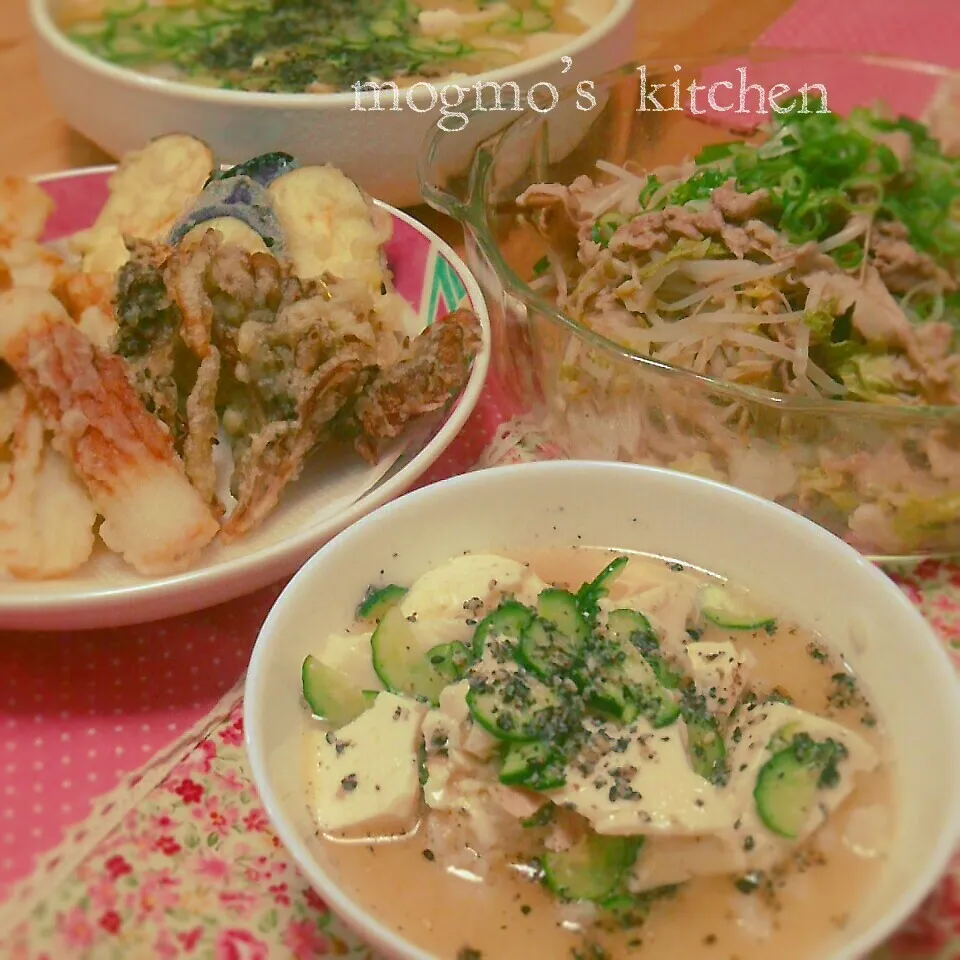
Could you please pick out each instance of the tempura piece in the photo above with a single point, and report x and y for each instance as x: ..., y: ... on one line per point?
x: 331, y: 227
x: 124, y: 456
x: 25, y: 263
x: 203, y: 426
x: 433, y: 368
x: 46, y: 517
x: 276, y: 454
x: 148, y: 334
x: 88, y: 298
x: 148, y: 191
x: 24, y: 209
x: 233, y: 336
x: 217, y: 336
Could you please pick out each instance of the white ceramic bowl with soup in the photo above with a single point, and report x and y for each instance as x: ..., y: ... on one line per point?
x: 120, y: 94
x: 770, y: 766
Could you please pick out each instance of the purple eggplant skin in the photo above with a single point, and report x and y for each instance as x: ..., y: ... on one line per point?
x: 240, y: 197
x: 263, y: 169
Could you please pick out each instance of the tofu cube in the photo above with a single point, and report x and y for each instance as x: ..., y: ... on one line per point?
x: 368, y: 783
x: 644, y: 786
x: 720, y: 673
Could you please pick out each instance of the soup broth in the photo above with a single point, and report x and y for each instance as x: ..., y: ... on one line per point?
x: 457, y: 904
x: 286, y: 46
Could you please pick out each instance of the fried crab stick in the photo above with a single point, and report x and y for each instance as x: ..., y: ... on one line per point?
x: 124, y: 456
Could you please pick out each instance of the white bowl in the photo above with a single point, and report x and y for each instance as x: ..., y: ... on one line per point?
x: 120, y: 110
x: 818, y: 580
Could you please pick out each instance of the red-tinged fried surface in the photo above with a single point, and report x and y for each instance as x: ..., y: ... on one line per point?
x: 122, y: 454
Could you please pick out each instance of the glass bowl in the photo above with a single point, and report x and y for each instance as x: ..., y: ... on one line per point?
x: 885, y: 478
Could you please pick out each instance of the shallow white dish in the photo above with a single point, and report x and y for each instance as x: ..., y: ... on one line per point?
x: 332, y: 492
x: 120, y: 110
x: 814, y: 579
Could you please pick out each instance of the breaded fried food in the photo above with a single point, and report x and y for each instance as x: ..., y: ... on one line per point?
x: 432, y: 368
x: 46, y: 516
x: 148, y: 191
x: 25, y: 263
x: 331, y: 227
x: 123, y: 455
x: 215, y: 335
x: 88, y: 298
x: 24, y: 209
x: 148, y: 334
x: 276, y: 453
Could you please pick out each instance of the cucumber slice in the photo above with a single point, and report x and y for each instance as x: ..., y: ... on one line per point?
x: 708, y: 752
x: 630, y: 626
x: 590, y: 594
x: 787, y: 784
x: 331, y: 694
x: 536, y: 766
x: 450, y: 660
x: 553, y: 641
x: 401, y: 664
x: 510, y: 619
x: 517, y: 708
x: 546, y: 651
x: 592, y: 869
x: 609, y: 697
x: 628, y: 910
x: 378, y: 601
x: 629, y: 688
x: 559, y: 607
x: 725, y: 609
x: 652, y: 699
x: 669, y: 679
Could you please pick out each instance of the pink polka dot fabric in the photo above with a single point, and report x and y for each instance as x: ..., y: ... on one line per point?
x: 82, y: 710
x: 926, y: 30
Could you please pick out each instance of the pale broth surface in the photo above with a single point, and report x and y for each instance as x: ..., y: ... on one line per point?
x: 286, y: 46
x: 508, y: 915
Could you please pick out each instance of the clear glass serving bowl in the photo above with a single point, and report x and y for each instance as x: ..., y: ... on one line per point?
x: 884, y: 478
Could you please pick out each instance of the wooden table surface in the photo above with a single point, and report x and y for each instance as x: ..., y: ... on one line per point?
x: 33, y: 139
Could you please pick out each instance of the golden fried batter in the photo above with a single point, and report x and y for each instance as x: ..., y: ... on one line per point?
x: 217, y: 335
x: 431, y: 370
x: 46, y: 517
x: 122, y: 454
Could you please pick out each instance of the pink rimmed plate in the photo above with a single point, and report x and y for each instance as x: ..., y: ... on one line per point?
x: 335, y: 489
